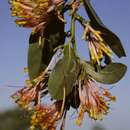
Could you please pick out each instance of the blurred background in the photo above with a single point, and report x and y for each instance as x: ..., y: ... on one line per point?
x: 13, y: 58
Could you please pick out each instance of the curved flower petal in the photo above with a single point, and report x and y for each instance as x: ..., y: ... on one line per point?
x: 45, y: 117
x: 26, y: 95
x: 97, y: 47
x: 31, y: 94
x: 31, y: 13
x: 94, y: 99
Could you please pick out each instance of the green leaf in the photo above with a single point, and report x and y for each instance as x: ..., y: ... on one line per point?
x: 109, y: 37
x: 39, y: 56
x: 64, y: 74
x: 110, y: 74
x: 95, y: 20
x: 35, y: 64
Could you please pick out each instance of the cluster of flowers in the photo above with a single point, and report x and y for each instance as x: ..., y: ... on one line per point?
x: 94, y: 99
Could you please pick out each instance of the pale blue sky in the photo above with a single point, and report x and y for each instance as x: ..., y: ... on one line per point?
x: 13, y: 52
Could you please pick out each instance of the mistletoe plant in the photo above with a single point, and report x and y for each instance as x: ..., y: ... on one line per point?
x: 56, y: 70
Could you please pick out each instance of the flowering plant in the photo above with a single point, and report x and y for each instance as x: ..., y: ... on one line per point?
x: 56, y: 70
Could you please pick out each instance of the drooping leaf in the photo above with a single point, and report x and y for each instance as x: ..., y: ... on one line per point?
x: 39, y: 56
x: 64, y: 74
x: 110, y: 74
x: 57, y: 81
x: 96, y: 21
x: 35, y: 63
x: 109, y: 37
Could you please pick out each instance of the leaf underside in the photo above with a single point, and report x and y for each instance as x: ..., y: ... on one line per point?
x: 110, y: 74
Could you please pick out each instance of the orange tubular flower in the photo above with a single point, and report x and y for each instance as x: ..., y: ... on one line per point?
x: 26, y: 96
x: 32, y: 13
x: 45, y: 117
x: 98, y: 48
x: 93, y: 99
x: 31, y: 94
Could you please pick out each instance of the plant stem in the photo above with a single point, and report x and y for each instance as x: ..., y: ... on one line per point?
x: 81, y: 20
x: 72, y: 29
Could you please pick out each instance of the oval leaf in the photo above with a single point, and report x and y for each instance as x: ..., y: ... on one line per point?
x: 63, y: 75
x: 35, y: 64
x: 39, y: 56
x: 110, y: 74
